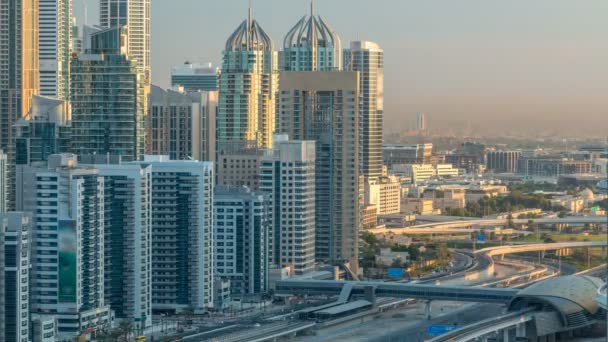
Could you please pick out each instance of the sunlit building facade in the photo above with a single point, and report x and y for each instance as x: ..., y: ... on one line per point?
x: 248, y: 85
x: 368, y: 59
x: 136, y: 15
x: 324, y: 106
x: 311, y: 45
x: 108, y: 107
x: 55, y: 39
x: 19, y: 81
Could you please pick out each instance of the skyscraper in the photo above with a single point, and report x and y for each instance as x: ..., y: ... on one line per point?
x: 14, y: 276
x: 127, y: 239
x: 287, y: 174
x: 368, y: 59
x: 181, y: 125
x: 18, y: 73
x: 323, y: 106
x: 248, y: 84
x: 68, y: 268
x: 55, y: 41
x: 3, y: 190
x: 108, y: 111
x: 182, y: 233
x: 242, y: 223
x: 136, y: 15
x: 311, y: 45
x: 421, y: 123
x: 195, y: 77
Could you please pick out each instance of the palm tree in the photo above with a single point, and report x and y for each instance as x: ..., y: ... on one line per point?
x: 125, y: 330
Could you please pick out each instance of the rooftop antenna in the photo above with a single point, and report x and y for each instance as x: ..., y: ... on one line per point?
x: 86, y: 14
x: 249, y: 26
x: 312, y: 8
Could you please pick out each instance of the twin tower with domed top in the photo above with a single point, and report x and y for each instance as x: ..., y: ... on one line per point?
x: 311, y: 45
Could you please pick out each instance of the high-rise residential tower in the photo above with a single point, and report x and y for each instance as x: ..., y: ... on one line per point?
x: 127, y: 237
x: 180, y: 124
x: 67, y: 275
x: 135, y: 14
x: 248, y: 85
x: 421, y: 126
x: 368, y: 59
x: 18, y: 73
x: 311, y: 45
x: 15, y: 259
x: 55, y: 44
x: 241, y: 228
x: 324, y: 107
x: 287, y: 174
x: 182, y: 233
x: 3, y: 190
x: 107, y: 95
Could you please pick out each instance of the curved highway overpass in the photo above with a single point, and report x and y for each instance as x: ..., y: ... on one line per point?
x: 473, y: 224
x: 539, y: 247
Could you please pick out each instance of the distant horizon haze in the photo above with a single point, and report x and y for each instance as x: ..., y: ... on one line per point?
x: 484, y: 64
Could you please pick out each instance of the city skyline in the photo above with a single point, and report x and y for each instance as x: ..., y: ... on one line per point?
x: 468, y: 65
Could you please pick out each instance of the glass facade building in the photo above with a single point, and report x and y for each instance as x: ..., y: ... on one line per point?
x: 108, y: 106
x: 43, y: 132
x: 195, y: 77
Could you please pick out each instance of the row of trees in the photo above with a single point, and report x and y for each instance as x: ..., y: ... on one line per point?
x: 514, y: 201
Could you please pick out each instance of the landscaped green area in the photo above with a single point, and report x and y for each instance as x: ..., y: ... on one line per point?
x: 514, y: 201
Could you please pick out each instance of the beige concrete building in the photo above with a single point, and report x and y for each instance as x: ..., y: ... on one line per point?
x: 385, y: 193
x: 181, y: 125
x: 475, y: 193
x: 238, y: 164
x: 323, y: 106
x: 420, y: 206
x: 445, y: 197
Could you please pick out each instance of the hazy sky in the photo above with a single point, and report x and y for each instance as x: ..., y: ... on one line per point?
x: 476, y: 63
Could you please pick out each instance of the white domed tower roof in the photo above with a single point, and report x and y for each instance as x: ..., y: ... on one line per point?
x: 249, y: 36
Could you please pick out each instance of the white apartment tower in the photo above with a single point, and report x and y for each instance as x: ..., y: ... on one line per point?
x: 55, y: 44
x: 127, y: 238
x: 182, y: 233
x: 368, y: 59
x: 287, y: 174
x: 67, y: 277
x: 14, y: 276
